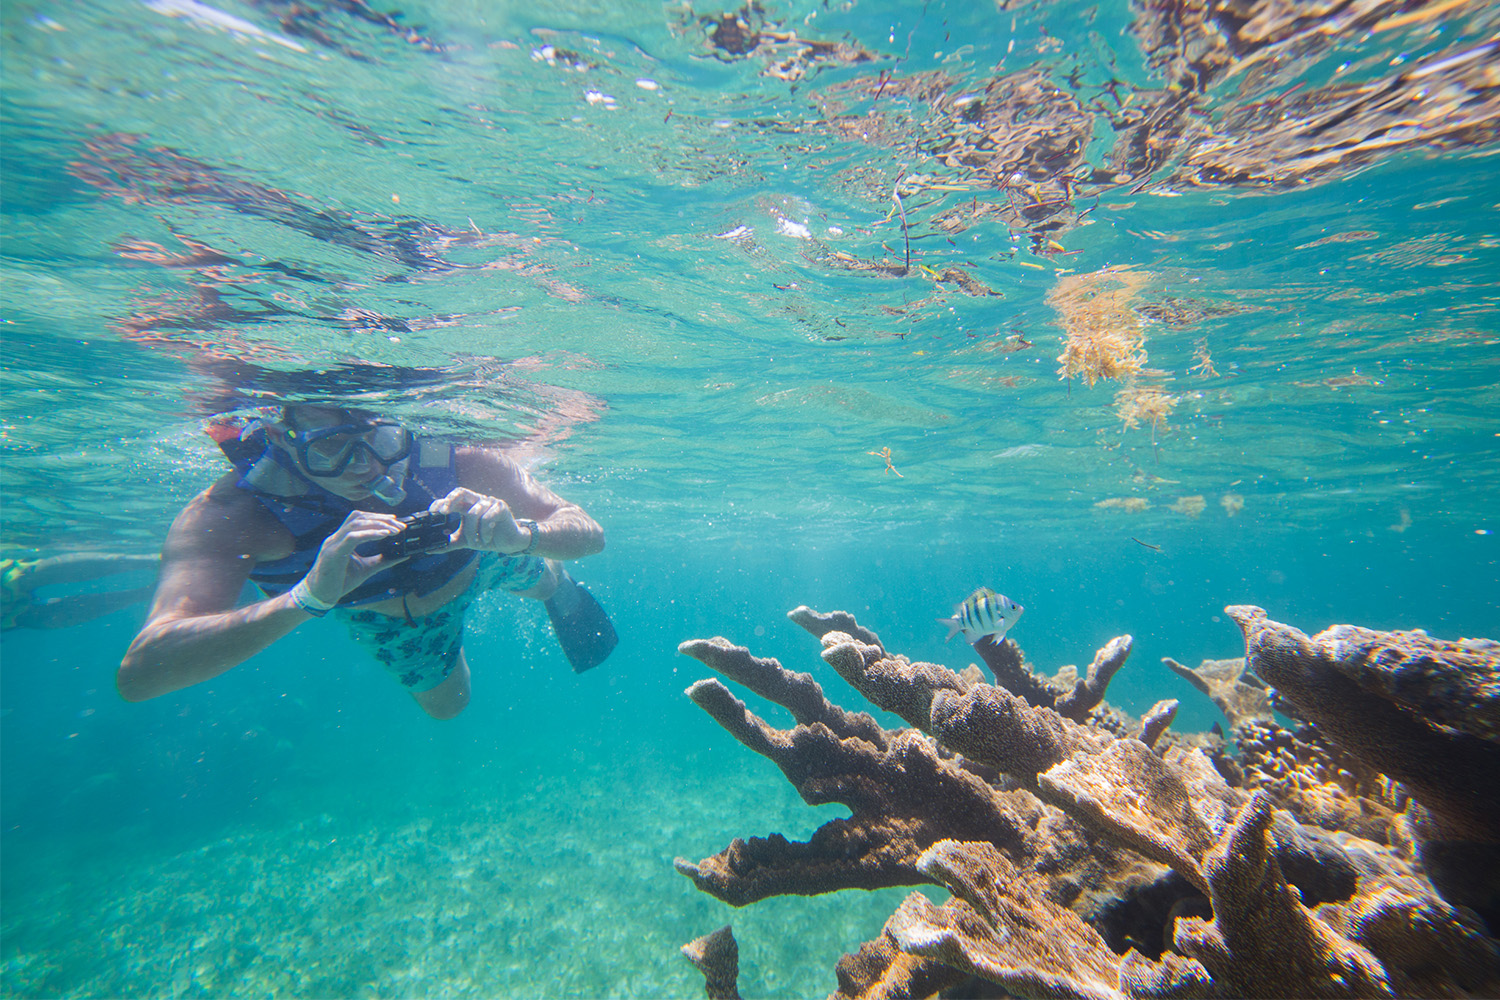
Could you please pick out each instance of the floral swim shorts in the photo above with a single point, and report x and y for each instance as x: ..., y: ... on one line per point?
x: 422, y: 652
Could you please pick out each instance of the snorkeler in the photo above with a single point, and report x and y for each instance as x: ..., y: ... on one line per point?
x: 21, y: 578
x: 315, y: 495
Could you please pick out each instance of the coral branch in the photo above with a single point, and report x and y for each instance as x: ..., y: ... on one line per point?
x: 997, y: 728
x: 892, y: 682
x: 903, y: 798
x: 1003, y: 930
x: 1089, y: 692
x: 717, y: 956
x: 1157, y: 720
x: 1171, y: 810
x: 1262, y: 939
x: 1008, y: 664
x: 984, y: 723
x: 1421, y: 711
x: 1239, y: 695
x: 834, y: 621
x: 880, y: 970
x: 798, y: 693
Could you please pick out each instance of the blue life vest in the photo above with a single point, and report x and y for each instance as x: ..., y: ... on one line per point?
x: 312, y: 517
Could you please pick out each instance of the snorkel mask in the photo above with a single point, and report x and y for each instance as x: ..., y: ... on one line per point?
x: 327, y: 452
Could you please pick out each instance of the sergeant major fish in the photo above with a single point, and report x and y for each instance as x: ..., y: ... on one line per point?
x: 983, y: 613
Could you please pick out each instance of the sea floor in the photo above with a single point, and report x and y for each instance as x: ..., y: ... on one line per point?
x: 562, y: 885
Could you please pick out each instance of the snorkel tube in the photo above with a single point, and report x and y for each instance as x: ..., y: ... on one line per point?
x: 389, y: 490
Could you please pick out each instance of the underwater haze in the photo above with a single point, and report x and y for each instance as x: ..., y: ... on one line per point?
x: 861, y: 305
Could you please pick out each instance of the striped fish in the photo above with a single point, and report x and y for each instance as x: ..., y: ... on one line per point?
x: 984, y: 613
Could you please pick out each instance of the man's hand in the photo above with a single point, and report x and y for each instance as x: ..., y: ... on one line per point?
x: 488, y: 524
x: 338, y: 568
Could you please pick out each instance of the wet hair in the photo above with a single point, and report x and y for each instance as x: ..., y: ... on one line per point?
x: 286, y: 413
x: 241, y: 384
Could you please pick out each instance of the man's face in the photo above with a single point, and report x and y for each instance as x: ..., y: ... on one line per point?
x: 342, y: 451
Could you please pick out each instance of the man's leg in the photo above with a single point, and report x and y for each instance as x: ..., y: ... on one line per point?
x: 81, y: 568
x: 450, y: 697
x: 543, y: 588
x: 65, y: 612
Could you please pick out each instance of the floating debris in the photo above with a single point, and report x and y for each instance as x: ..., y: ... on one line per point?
x: 1180, y: 312
x: 1354, y: 236
x: 1205, y: 366
x: 1105, y: 336
x: 885, y: 453
x: 1004, y: 345
x: 1132, y: 505
x: 748, y: 33
x: 1135, y: 403
x: 1191, y: 506
x: 1022, y: 451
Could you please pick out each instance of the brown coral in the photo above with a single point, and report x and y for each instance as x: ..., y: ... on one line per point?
x: 1241, y: 696
x: 903, y: 796
x: 1319, y: 783
x: 717, y: 956
x: 1001, y: 928
x: 1421, y: 711
x: 1285, y: 910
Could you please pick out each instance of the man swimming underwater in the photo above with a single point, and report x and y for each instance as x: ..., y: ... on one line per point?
x: 312, y: 494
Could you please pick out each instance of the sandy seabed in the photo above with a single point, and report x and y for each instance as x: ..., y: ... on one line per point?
x: 564, y: 890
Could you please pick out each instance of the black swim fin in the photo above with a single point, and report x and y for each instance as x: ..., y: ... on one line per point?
x: 583, y: 629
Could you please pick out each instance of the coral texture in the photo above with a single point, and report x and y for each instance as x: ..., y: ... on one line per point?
x: 1420, y: 711
x: 717, y: 956
x: 1087, y: 863
x: 1239, y: 695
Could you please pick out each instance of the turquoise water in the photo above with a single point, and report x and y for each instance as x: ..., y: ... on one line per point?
x: 627, y: 251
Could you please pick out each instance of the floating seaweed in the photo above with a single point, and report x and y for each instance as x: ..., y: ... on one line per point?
x: 1191, y: 506
x: 323, y: 22
x: 749, y: 33
x: 1026, y: 134
x: 1180, y: 312
x: 1132, y: 505
x: 1353, y: 236
x: 1205, y: 366
x: 1105, y: 336
x: 1093, y: 856
x: 1136, y: 403
x: 1350, y: 381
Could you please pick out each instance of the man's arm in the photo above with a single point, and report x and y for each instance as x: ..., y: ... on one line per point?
x: 564, y: 531
x: 193, y: 632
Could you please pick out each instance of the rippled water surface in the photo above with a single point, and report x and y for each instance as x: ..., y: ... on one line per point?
x: 1130, y: 311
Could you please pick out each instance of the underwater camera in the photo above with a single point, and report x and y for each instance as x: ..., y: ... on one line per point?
x: 424, y: 531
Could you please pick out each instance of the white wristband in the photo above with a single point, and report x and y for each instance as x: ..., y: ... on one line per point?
x: 302, y: 596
